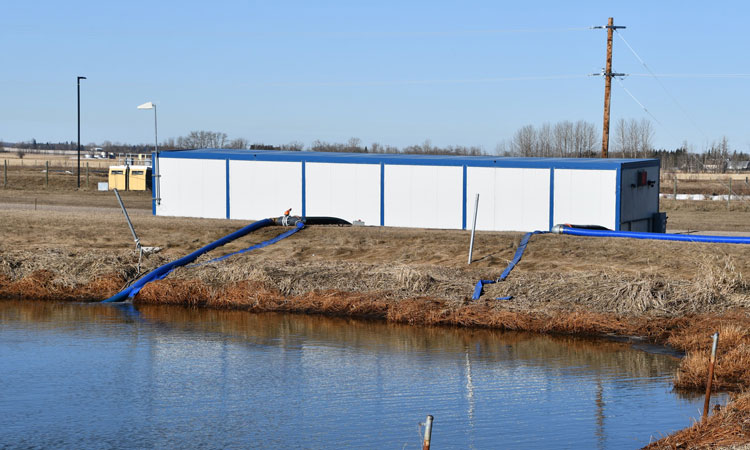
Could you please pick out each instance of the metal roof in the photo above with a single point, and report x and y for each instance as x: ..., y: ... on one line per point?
x: 409, y: 159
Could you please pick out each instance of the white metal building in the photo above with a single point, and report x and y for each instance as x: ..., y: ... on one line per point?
x: 424, y: 191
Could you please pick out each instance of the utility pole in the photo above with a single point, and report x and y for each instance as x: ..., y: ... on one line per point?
x: 607, y: 74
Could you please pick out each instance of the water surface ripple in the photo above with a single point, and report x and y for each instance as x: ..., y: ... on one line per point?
x: 103, y: 376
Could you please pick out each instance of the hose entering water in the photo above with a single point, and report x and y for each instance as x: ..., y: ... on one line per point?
x: 161, y: 272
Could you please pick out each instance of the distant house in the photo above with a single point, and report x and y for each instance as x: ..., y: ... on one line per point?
x: 739, y: 166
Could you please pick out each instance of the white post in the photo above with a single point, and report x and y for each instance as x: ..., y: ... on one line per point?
x: 427, y: 433
x: 473, y: 228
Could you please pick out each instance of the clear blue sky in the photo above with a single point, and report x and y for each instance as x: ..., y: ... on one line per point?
x: 393, y: 72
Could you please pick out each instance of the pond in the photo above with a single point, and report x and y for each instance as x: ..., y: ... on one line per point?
x: 108, y: 376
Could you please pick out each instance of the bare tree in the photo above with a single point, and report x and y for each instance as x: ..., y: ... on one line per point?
x: 633, y: 138
x: 354, y: 145
x: 645, y: 137
x: 524, y: 141
x: 295, y: 146
x: 545, y: 141
x: 203, y: 139
x: 563, y: 138
x: 239, y: 143
x: 622, y: 138
x: 585, y: 138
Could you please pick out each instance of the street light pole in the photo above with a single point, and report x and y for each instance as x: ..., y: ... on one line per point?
x: 78, y: 82
x: 155, y: 172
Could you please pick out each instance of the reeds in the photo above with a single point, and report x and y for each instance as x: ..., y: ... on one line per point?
x: 724, y: 429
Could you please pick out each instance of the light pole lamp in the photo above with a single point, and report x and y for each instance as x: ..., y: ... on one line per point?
x: 78, y: 83
x: 155, y: 173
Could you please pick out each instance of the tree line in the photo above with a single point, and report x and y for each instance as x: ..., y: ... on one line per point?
x: 629, y: 138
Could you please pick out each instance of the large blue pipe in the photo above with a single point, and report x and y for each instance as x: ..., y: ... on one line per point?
x: 161, y: 272
x: 562, y: 229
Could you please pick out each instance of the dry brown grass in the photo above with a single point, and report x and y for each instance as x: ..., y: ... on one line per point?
x: 733, y: 355
x: 726, y: 428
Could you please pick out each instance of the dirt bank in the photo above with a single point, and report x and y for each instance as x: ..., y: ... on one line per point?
x: 672, y: 293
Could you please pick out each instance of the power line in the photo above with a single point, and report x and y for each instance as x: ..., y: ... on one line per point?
x: 375, y: 34
x: 622, y: 85
x: 693, y: 75
x: 426, y: 81
x: 643, y: 63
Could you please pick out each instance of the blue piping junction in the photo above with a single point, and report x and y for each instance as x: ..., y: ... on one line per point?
x: 573, y: 231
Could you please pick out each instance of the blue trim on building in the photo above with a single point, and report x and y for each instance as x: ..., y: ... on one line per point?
x: 407, y: 159
x: 463, y: 205
x: 228, y: 212
x: 618, y: 203
x: 304, y: 191
x: 153, y: 185
x: 551, y: 198
x: 382, y: 194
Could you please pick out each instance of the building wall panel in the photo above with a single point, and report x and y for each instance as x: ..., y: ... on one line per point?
x: 638, y: 203
x: 423, y: 196
x: 192, y: 188
x: 261, y: 189
x: 348, y: 191
x: 585, y: 197
x: 509, y: 199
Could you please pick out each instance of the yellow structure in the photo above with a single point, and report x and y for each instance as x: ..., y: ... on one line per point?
x: 139, y: 178
x: 118, y: 177
x: 130, y: 178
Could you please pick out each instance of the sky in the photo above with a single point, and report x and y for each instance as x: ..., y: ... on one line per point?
x: 394, y: 72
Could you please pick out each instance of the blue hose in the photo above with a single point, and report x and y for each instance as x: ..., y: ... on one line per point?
x: 161, y: 272
x: 656, y: 236
x: 516, y: 259
x: 274, y: 240
x: 563, y: 229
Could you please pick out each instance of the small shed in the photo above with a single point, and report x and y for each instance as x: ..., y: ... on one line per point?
x: 425, y: 191
x: 139, y: 178
x: 118, y: 178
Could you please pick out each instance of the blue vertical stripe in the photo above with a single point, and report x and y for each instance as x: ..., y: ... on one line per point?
x: 304, y: 191
x: 382, y: 194
x: 551, y: 198
x: 227, y: 185
x: 463, y: 207
x: 618, y: 193
x: 154, y: 163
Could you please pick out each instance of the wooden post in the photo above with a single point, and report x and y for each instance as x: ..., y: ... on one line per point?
x: 87, y: 175
x: 675, y: 187
x: 46, y: 174
x: 711, y: 364
x: 5, y: 174
x: 729, y: 197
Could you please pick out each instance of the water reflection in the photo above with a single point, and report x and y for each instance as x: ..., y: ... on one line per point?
x: 230, y: 378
